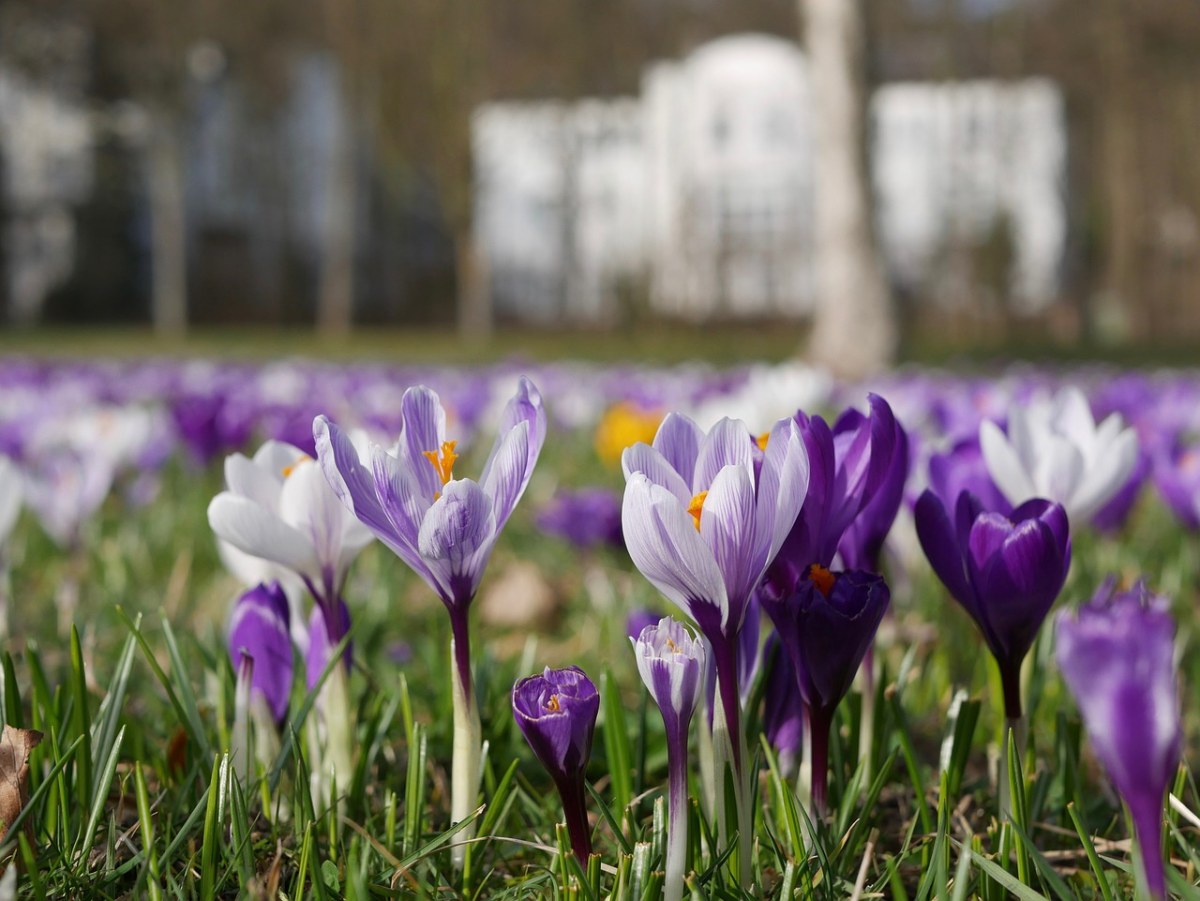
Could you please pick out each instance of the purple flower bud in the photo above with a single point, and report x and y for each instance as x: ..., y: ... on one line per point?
x: 783, y: 708
x: 258, y: 629
x: 1004, y: 569
x: 826, y: 627
x: 1116, y: 658
x: 557, y: 715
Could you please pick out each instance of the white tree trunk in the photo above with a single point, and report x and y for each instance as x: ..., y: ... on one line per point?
x: 168, y: 235
x: 854, y: 328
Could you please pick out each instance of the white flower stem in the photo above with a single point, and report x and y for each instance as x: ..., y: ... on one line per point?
x: 677, y: 819
x: 465, y: 765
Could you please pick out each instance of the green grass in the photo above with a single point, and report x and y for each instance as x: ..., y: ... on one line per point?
x: 133, y: 796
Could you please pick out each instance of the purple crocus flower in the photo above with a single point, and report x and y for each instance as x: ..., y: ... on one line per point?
x: 672, y: 663
x: 1116, y: 657
x: 556, y: 712
x: 442, y: 527
x: 589, y: 517
x: 826, y: 627
x: 783, y: 707
x: 259, y: 630
x: 861, y: 543
x: 1177, y: 478
x: 1004, y: 569
x: 856, y: 465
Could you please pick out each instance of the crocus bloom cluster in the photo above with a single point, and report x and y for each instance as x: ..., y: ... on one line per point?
x: 1116, y: 656
x: 1004, y: 569
x: 672, y: 663
x: 556, y: 712
x: 1054, y: 449
x: 704, y: 515
x: 826, y: 626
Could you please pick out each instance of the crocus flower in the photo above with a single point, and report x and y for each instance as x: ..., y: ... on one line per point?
x: 1116, y: 657
x: 279, y: 507
x: 1055, y: 450
x: 861, y: 543
x: 703, y: 517
x: 260, y: 647
x: 864, y: 462
x: 259, y: 629
x: 1004, y: 569
x: 1177, y: 478
x: 826, y: 627
x: 556, y: 712
x: 442, y: 527
x: 672, y: 663
x: 783, y: 707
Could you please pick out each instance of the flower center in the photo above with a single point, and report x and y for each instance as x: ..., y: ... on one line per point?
x: 762, y: 440
x: 288, y: 470
x: 696, y: 507
x: 442, y: 460
x: 552, y: 704
x: 822, y: 578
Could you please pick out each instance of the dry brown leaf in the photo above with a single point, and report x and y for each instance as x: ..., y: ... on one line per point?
x: 15, y: 745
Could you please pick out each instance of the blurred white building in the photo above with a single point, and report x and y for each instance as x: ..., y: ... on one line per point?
x: 45, y: 169
x: 701, y: 189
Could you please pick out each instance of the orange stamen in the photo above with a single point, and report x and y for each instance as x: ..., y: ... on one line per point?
x: 696, y: 507
x: 288, y: 470
x: 822, y: 578
x: 443, y: 460
x: 552, y: 705
x: 762, y: 440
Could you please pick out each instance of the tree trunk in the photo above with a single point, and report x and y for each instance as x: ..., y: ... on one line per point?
x: 168, y: 230
x: 335, y: 299
x: 1120, y: 177
x: 854, y: 328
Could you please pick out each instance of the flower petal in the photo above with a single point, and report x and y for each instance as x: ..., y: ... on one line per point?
x: 729, y: 442
x: 649, y: 460
x: 424, y: 430
x: 665, y: 546
x: 678, y: 441
x: 1004, y: 465
x: 260, y: 533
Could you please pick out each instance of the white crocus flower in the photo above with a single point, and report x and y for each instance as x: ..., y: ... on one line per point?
x: 1055, y: 450
x: 279, y: 507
